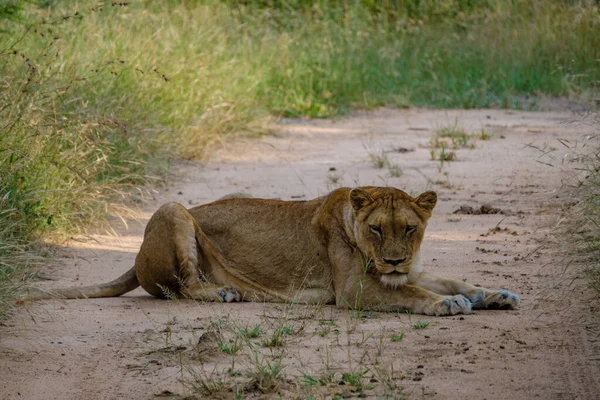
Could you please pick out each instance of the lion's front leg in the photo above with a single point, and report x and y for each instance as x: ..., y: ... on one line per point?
x: 368, y: 294
x: 357, y: 289
x: 480, y: 298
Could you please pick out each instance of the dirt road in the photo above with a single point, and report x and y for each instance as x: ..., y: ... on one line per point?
x: 137, y: 347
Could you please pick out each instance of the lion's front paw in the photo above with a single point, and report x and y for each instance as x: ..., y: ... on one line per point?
x: 450, y: 305
x: 229, y: 294
x: 500, y: 300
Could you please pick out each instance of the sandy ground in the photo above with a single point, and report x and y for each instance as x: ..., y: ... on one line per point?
x: 137, y: 347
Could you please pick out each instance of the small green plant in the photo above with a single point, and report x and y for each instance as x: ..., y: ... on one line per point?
x: 394, y: 170
x: 355, y: 379
x: 251, y: 333
x: 398, y: 337
x: 327, y: 378
x: 446, y: 156
x: 357, y: 314
x: 308, y: 380
x: 463, y: 142
x: 443, y: 155
x: 229, y: 347
x: 379, y: 159
x: 483, y: 135
x: 168, y: 293
x: 420, y: 324
x: 456, y: 134
x: 288, y: 330
x: 323, y: 331
x: 458, y: 142
x: 452, y: 137
x: 450, y: 131
x: 323, y: 380
x: 325, y: 327
x: 169, y: 330
x: 266, y: 376
x: 211, y: 387
x: 277, y: 337
x: 385, y: 374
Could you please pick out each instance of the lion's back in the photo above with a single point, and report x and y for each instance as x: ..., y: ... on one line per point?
x: 270, y: 241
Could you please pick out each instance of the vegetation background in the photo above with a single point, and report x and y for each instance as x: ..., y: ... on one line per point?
x: 97, y: 97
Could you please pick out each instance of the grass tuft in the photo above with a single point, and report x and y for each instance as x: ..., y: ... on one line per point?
x: 585, y: 226
x: 398, y: 337
x: 251, y: 333
x: 420, y: 324
x: 266, y: 376
x: 379, y: 159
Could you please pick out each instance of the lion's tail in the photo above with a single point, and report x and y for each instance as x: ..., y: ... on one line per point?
x: 123, y: 284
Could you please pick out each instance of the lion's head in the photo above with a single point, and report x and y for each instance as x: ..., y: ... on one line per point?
x: 389, y: 226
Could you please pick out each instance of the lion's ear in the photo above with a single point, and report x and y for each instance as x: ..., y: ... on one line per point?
x: 359, y: 198
x: 427, y: 200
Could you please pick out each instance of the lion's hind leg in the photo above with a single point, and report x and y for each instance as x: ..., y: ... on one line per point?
x: 157, y: 265
x: 194, y: 252
x: 170, y: 261
x: 204, y: 291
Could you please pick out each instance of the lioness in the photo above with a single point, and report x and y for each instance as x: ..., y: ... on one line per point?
x: 355, y: 248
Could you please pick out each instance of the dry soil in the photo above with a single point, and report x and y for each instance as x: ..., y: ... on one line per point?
x: 138, y: 347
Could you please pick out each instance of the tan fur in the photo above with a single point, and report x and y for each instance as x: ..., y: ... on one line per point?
x: 356, y: 248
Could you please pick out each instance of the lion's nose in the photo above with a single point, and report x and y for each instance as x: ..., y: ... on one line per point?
x: 394, y: 262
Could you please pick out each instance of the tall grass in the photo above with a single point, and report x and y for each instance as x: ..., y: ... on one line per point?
x: 96, y: 97
x: 64, y: 158
x: 493, y: 58
x: 585, y: 221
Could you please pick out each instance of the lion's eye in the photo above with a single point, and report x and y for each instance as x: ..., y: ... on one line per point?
x: 376, y: 229
x: 410, y: 229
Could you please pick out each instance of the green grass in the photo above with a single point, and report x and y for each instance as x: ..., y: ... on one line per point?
x: 355, y: 379
x: 277, y: 337
x: 251, y: 333
x: 15, y: 260
x: 492, y: 57
x: 420, y: 324
x: 378, y: 159
x: 308, y: 380
x: 266, y: 376
x: 585, y: 216
x: 453, y: 136
x: 95, y: 99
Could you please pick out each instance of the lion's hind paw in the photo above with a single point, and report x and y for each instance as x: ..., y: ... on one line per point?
x: 229, y: 294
